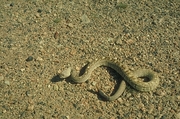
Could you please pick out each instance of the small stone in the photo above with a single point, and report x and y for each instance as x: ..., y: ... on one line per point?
x: 30, y: 101
x: 128, y: 95
x: 56, y: 35
x: 23, y: 69
x: 55, y: 87
x: 28, y: 93
x: 118, y: 41
x: 160, y: 92
x: 30, y: 108
x: 37, y: 15
x: 61, y: 89
x: 94, y: 83
x: 85, y: 19
x: 120, y: 100
x: 77, y: 68
x: 39, y: 59
x: 127, y: 104
x: 30, y: 58
x: 4, y: 111
x: 107, y: 87
x: 130, y: 41
x: 178, y: 97
x: 49, y: 86
x: 7, y: 82
x: 70, y: 25
x: 120, y: 112
x: 39, y: 11
x: 73, y: 52
x: 110, y: 39
x: 12, y: 4
x: 90, y: 87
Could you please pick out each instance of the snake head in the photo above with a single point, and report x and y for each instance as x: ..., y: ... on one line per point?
x: 66, y: 73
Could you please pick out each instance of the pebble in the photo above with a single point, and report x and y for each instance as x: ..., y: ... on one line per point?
x: 49, y: 86
x: 128, y: 95
x: 130, y: 41
x: 30, y: 107
x: 12, y: 4
x: 4, y: 111
x: 118, y: 41
x: 7, y: 82
x: 178, y: 97
x: 23, y: 69
x: 39, y: 59
x: 39, y: 11
x: 107, y: 87
x: 55, y: 87
x: 56, y: 35
x: 110, y: 39
x: 70, y: 25
x: 85, y: 19
x: 60, y: 103
x: 94, y: 83
x: 120, y: 100
x: 37, y: 15
x: 127, y: 104
x: 28, y: 93
x: 60, y: 89
x: 160, y: 92
x: 30, y: 58
x: 73, y: 52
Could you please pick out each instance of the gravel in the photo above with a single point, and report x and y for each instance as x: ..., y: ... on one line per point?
x: 38, y: 39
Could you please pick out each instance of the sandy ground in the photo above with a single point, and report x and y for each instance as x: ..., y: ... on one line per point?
x: 40, y: 38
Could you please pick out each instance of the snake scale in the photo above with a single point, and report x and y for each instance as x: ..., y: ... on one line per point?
x: 132, y: 78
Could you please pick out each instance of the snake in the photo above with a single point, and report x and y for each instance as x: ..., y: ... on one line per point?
x: 132, y: 78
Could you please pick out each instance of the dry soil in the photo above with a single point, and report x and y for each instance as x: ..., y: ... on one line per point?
x: 40, y: 38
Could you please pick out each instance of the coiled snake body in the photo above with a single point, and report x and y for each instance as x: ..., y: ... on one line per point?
x: 129, y: 77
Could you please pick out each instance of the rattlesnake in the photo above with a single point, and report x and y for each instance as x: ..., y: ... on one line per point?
x: 130, y: 77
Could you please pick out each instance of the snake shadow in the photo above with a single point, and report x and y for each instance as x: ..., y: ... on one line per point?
x: 56, y: 79
x: 114, y: 76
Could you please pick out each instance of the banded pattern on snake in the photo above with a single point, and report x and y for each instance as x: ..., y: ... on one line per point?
x: 130, y: 77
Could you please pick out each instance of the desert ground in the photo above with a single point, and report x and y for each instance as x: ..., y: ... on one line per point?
x: 41, y: 38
